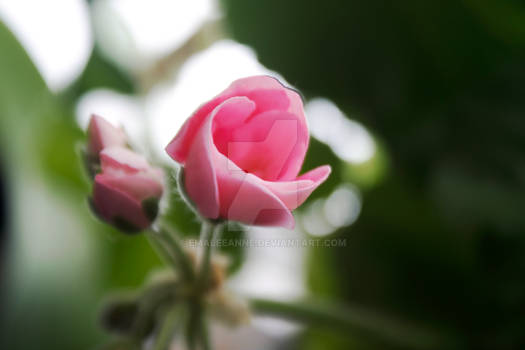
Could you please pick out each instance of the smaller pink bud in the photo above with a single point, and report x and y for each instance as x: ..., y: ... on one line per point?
x: 128, y: 190
x: 102, y: 134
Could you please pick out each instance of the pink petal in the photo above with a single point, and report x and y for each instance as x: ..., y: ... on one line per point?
x: 243, y: 199
x: 247, y: 85
x: 268, y: 100
x: 179, y: 147
x: 123, y: 159
x: 225, y: 123
x: 265, y: 91
x: 294, y: 193
x: 112, y: 202
x: 200, y: 177
x: 139, y: 186
x: 220, y: 188
x: 294, y: 105
x: 103, y: 134
x: 318, y: 174
x: 265, y: 144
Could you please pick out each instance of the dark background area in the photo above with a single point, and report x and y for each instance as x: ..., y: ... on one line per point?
x: 3, y: 218
x: 442, y: 85
x: 3, y: 206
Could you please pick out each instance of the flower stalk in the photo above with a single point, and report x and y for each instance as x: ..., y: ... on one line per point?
x: 356, y: 320
x: 209, y: 233
x: 172, y: 251
x: 170, y: 324
x: 197, y: 282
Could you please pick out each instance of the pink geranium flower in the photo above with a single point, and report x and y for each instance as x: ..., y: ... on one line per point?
x: 242, y: 153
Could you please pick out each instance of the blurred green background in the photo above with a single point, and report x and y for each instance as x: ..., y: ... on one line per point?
x: 435, y: 226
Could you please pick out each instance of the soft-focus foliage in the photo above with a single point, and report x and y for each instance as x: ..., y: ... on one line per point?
x: 54, y: 289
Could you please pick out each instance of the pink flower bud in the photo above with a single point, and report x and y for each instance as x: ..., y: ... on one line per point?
x: 128, y: 190
x: 102, y: 134
x: 242, y: 152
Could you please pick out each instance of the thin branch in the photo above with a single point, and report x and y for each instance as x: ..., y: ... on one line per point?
x: 170, y: 323
x: 171, y: 248
x: 351, y: 320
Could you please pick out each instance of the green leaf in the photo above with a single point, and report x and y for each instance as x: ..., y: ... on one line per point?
x: 38, y: 139
x: 100, y: 73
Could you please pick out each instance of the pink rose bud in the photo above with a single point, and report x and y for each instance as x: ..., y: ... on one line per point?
x: 242, y: 153
x: 102, y: 134
x: 128, y: 190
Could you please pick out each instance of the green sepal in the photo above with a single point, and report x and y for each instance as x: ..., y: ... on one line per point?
x: 125, y: 226
x: 151, y: 208
x: 91, y: 162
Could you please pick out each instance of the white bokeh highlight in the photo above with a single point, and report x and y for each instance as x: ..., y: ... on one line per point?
x: 55, y: 33
x: 314, y: 221
x: 343, y: 206
x: 348, y: 139
x: 118, y: 109
x: 272, y: 271
x: 324, y: 216
x: 137, y: 32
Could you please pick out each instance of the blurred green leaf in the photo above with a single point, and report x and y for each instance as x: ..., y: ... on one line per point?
x: 352, y: 319
x: 370, y: 173
x: 505, y: 18
x: 39, y: 139
x: 35, y: 128
x: 100, y: 73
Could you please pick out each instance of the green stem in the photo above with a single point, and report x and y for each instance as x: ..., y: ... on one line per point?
x: 208, y: 232
x: 152, y: 299
x: 170, y: 323
x: 355, y: 320
x: 170, y: 248
x: 156, y: 242
x: 197, y: 333
x: 204, y: 333
x: 192, y: 331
